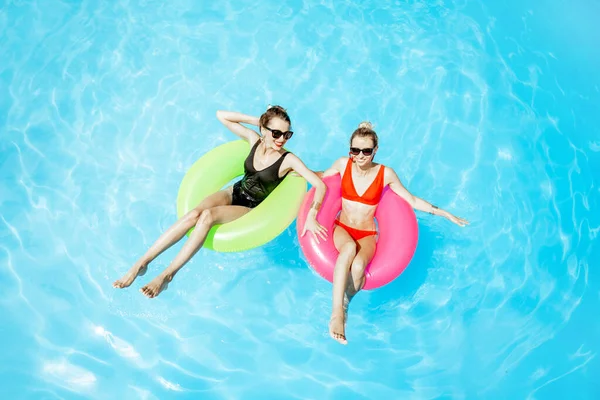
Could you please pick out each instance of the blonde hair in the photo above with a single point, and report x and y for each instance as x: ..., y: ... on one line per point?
x: 365, y: 129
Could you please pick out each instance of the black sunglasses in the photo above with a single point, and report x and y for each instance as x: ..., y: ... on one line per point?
x: 277, y: 133
x: 356, y: 151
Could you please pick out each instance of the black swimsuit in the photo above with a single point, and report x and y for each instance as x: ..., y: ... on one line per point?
x: 255, y: 186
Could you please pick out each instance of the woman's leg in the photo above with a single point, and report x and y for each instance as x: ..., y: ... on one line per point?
x: 364, y: 256
x: 208, y: 218
x: 173, y: 235
x: 347, y: 249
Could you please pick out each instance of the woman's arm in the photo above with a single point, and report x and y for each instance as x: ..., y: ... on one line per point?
x: 234, y: 120
x: 311, y: 223
x: 417, y: 203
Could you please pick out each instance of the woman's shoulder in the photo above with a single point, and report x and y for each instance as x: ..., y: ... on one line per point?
x: 389, y: 174
x: 288, y: 154
x: 340, y: 164
x: 342, y: 161
x: 288, y: 158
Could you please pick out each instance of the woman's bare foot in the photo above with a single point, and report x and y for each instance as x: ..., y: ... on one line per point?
x: 157, y: 285
x: 337, y: 327
x: 129, y: 277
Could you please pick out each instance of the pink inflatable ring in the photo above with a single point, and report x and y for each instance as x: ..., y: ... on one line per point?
x: 396, y: 242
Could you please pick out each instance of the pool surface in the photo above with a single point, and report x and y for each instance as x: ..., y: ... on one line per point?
x: 489, y: 111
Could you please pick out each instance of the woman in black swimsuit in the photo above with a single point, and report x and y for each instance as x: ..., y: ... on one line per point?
x: 265, y: 167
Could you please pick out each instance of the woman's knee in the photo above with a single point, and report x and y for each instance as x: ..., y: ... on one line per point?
x: 193, y: 215
x: 358, y: 266
x: 206, y: 218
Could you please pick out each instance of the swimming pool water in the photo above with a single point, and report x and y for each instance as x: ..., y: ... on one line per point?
x: 490, y: 111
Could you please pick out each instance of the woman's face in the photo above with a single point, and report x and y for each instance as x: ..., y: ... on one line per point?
x: 276, y: 127
x: 365, y: 145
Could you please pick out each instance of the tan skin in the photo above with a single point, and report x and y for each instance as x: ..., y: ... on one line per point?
x: 217, y: 208
x: 354, y: 256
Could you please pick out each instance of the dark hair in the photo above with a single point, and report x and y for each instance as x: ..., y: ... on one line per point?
x: 365, y: 129
x: 274, y: 112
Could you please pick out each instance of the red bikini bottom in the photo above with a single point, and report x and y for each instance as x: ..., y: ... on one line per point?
x: 356, y: 234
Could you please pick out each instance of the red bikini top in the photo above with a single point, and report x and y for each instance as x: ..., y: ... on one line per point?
x: 373, y: 193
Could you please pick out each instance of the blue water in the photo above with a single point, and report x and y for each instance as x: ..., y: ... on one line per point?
x: 490, y: 111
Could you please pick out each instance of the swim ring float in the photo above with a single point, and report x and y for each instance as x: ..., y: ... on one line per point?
x: 215, y: 169
x: 396, y: 241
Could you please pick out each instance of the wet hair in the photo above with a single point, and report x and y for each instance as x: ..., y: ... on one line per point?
x: 274, y: 112
x: 365, y: 129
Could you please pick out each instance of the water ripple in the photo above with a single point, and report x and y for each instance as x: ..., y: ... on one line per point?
x: 480, y: 108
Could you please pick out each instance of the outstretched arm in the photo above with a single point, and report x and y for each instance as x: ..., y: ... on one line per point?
x: 417, y: 203
x: 311, y: 223
x: 234, y: 120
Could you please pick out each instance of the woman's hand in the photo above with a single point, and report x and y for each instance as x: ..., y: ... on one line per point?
x: 457, y: 220
x: 234, y: 120
x: 312, y: 225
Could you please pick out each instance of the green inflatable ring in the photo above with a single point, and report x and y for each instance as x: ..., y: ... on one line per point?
x: 261, y: 225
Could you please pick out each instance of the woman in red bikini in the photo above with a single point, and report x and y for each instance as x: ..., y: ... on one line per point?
x: 355, y: 235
